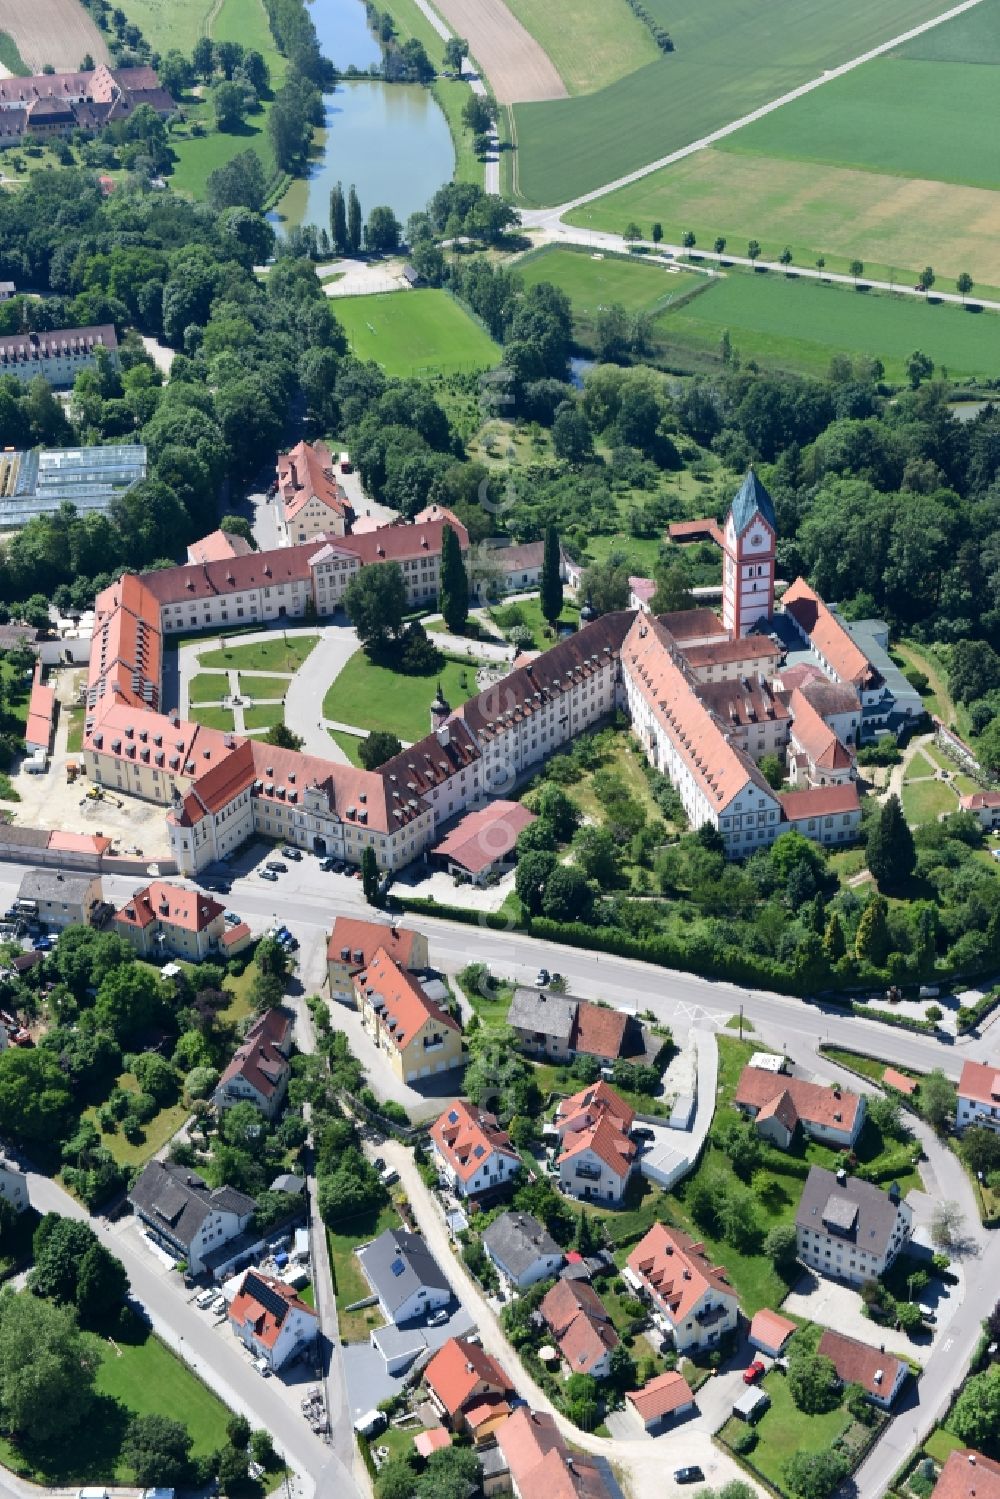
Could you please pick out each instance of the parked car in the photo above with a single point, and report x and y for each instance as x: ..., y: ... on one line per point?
x: 438, y: 1318
x: 389, y: 1176
x: 927, y: 1312
x: 754, y: 1372
x: 269, y: 874
x: 543, y: 978
x: 231, y: 918
x: 263, y: 1367
x: 291, y: 852
x: 330, y: 865
x: 42, y: 944
x: 692, y: 1474
x: 204, y: 1299
x: 276, y: 866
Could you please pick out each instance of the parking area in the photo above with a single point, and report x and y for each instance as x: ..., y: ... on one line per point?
x: 369, y: 1382
x: 832, y: 1304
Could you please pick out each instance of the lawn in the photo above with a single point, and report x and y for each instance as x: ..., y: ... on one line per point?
x: 373, y: 697
x: 941, y: 1443
x: 349, y: 743
x: 156, y: 1133
x: 925, y: 801
x: 415, y: 333
x: 796, y: 324
x: 173, y: 23
x: 261, y: 687
x: 74, y: 730
x: 263, y: 717
x: 919, y: 766
x: 784, y: 1430
x: 595, y: 281
x: 349, y: 1281
x: 278, y: 653
x: 208, y: 687
x: 730, y: 57
x: 528, y: 612
x: 869, y: 1067
x: 590, y: 42
x: 138, y: 1375
x: 626, y: 761
x: 938, y: 700
x: 213, y: 718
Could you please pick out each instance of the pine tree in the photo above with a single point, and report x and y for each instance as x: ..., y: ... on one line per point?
x: 369, y: 875
x: 834, y: 944
x: 551, y: 582
x: 338, y: 220
x: 454, y: 592
x: 872, y: 941
x: 892, y: 857
x: 353, y: 221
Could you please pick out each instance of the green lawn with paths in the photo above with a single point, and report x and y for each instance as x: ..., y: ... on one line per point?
x: 208, y: 687
x: 528, y: 612
x: 919, y: 766
x: 264, y: 716
x: 222, y: 719
x: 925, y: 801
x: 349, y: 743
x: 415, y: 332
x: 729, y: 58
x: 593, y: 282
x: 374, y: 697
x: 277, y: 653
x: 263, y: 687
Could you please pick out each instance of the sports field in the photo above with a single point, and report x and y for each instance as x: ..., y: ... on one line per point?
x: 591, y: 42
x: 731, y: 56
x: 415, y: 333
x: 796, y: 324
x: 592, y: 283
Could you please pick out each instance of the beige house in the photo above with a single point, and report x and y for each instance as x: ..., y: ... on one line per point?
x: 309, y: 500
x: 259, y: 1070
x: 61, y: 899
x: 692, y: 1299
x: 166, y: 920
x: 850, y: 1229
x: 417, y: 1037
x: 354, y: 942
x: 597, y: 1155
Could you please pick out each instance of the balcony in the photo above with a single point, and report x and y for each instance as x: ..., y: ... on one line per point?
x: 588, y: 1173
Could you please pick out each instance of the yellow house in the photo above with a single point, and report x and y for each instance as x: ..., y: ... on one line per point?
x: 417, y: 1036
x: 354, y: 942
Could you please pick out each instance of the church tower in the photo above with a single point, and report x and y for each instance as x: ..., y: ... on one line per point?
x: 748, y: 558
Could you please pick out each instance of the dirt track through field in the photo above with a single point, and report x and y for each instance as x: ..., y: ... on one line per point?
x: 59, y: 32
x: 516, y: 66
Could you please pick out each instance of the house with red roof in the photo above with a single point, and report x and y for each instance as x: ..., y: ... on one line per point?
x: 469, y: 1389
x: 826, y: 814
x: 968, y: 1475
x: 481, y: 844
x: 693, y: 1300
x: 581, y: 1326
x: 978, y: 1096
x: 816, y: 756
x: 353, y: 943
x: 259, y: 1070
x: 661, y: 1400
x: 218, y: 546
x: 985, y: 806
x: 472, y: 1151
x: 309, y: 501
x: 417, y: 1035
x: 541, y: 1466
x: 597, y: 1156
x: 269, y: 1317
x: 164, y: 920
x: 881, y: 1375
x: 780, y: 1105
x: 769, y: 1331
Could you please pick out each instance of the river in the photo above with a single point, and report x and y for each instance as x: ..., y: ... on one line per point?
x: 390, y: 139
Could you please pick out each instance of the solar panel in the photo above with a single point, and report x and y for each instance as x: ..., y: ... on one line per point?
x: 452, y: 1117
x: 478, y: 1152
x: 397, y: 1267
x: 268, y: 1297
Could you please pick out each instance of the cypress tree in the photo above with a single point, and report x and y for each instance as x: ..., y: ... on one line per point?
x: 834, y: 945
x: 369, y: 875
x: 872, y: 941
x: 454, y: 593
x: 551, y: 582
x: 892, y: 857
x: 338, y: 219
x: 353, y: 221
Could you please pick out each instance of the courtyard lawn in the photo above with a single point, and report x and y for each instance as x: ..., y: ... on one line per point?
x: 74, y: 730
x: 222, y: 719
x: 727, y: 60
x: 262, y: 687
x: 374, y: 697
x: 208, y: 687
x: 349, y: 743
x: 625, y: 760
x: 528, y: 612
x: 278, y: 653
x: 919, y: 766
x: 784, y: 1430
x: 941, y: 1443
x: 349, y: 1281
x: 591, y: 43
x: 926, y: 801
x: 415, y: 333
x: 263, y: 716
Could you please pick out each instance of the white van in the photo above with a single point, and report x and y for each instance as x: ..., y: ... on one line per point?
x: 204, y: 1300
x: 92, y: 1494
x: 371, y: 1423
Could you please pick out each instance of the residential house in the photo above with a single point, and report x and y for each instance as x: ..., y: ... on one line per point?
x: 58, y: 356
x: 581, y: 1326
x: 164, y: 920
x: 850, y: 1229
x: 978, y: 1096
x: 543, y: 1023
x: 779, y: 1105
x: 308, y: 500
x: 271, y: 1320
x: 469, y: 1390
x: 985, y: 806
x: 260, y: 1069
x: 541, y: 1466
x: 41, y: 722
x: 826, y: 814
x: 968, y: 1475
x: 661, y: 1400
x: 496, y: 571
x: 816, y: 755
x: 769, y: 1332
x: 60, y: 899
x: 481, y: 844
x: 404, y: 1275
x: 13, y: 1181
x: 693, y: 1301
x: 416, y: 1034
x: 597, y: 1156
x: 522, y: 1249
x: 472, y: 1151
x: 354, y: 942
x: 184, y: 1215
x: 880, y: 1374
x: 218, y: 546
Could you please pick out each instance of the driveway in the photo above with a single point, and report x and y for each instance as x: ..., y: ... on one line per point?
x: 368, y: 1382
x: 832, y: 1304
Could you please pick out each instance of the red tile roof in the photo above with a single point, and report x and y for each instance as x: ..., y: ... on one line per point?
x: 427, y: 1442
x: 190, y: 910
x: 813, y: 734
x: 662, y: 1395
x: 260, y: 1059
x: 207, y: 580
x: 899, y: 1081
x: 540, y: 1463
x: 41, y: 713
x: 79, y: 843
x: 771, y: 1329
x: 859, y: 1363
x: 750, y: 648
x: 743, y: 701
x: 361, y: 940
x: 267, y: 1322
x: 677, y: 1270
x: 459, y: 1369
x: 598, y: 1031
x: 306, y: 473
x: 607, y: 1139
x: 980, y: 1082
x: 694, y: 624
x: 819, y: 801
x: 405, y: 1006
x: 482, y: 838
x: 968, y: 1475
x: 468, y: 1136
x: 977, y: 801
x: 828, y: 636
x: 393, y: 543
x: 217, y: 546
x: 644, y: 589
x: 580, y: 1323
x: 590, y: 1103
x: 832, y: 1108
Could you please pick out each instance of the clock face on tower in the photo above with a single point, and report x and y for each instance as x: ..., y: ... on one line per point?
x: 755, y: 539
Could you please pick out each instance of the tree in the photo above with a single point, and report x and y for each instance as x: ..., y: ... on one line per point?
x: 926, y: 278
x: 720, y: 244
x: 47, y: 1369
x: 633, y: 232
x: 656, y: 233
x: 370, y: 875
x: 59, y: 1245
x: 382, y: 231
x: 338, y: 219
x: 379, y: 747
x: 834, y: 941
x: 964, y: 283
x: 35, y: 1102
x: 812, y: 1383
x: 375, y: 600
x: 353, y: 221
x: 673, y: 589
x: 814, y: 1475
x: 919, y: 367
x: 688, y: 240
x: 947, y: 1222
x: 857, y: 268
x: 101, y: 1287
x: 130, y: 1001
x: 559, y: 811
x: 567, y: 895
x: 975, y: 1418
x: 456, y: 48
x: 453, y: 596
x: 203, y: 58
x: 781, y: 1246
x: 891, y: 854
x: 739, y: 1141
x: 753, y: 250
x: 229, y: 104
x: 872, y: 941
x: 772, y: 770
x: 884, y: 1113
x: 479, y: 114
x: 572, y: 440
x: 158, y: 1450
x: 821, y: 264
x: 550, y: 584
x: 937, y: 1100
x: 909, y: 1317
x: 176, y: 73
x: 238, y: 1432
x: 786, y: 256
x: 533, y: 871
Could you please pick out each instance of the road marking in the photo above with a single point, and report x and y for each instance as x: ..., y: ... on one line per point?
x: 947, y: 1344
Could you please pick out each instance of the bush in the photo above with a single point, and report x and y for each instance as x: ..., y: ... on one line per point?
x: 744, y: 1441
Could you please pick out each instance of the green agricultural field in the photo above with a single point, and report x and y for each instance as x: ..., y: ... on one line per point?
x: 415, y: 333
x: 730, y: 57
x: 593, y: 282
x: 590, y: 42
x: 10, y: 57
x: 971, y: 37
x: 895, y: 115
x: 796, y: 324
x: 176, y: 24
x: 373, y: 697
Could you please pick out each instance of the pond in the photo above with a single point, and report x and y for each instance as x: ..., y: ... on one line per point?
x: 391, y: 140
